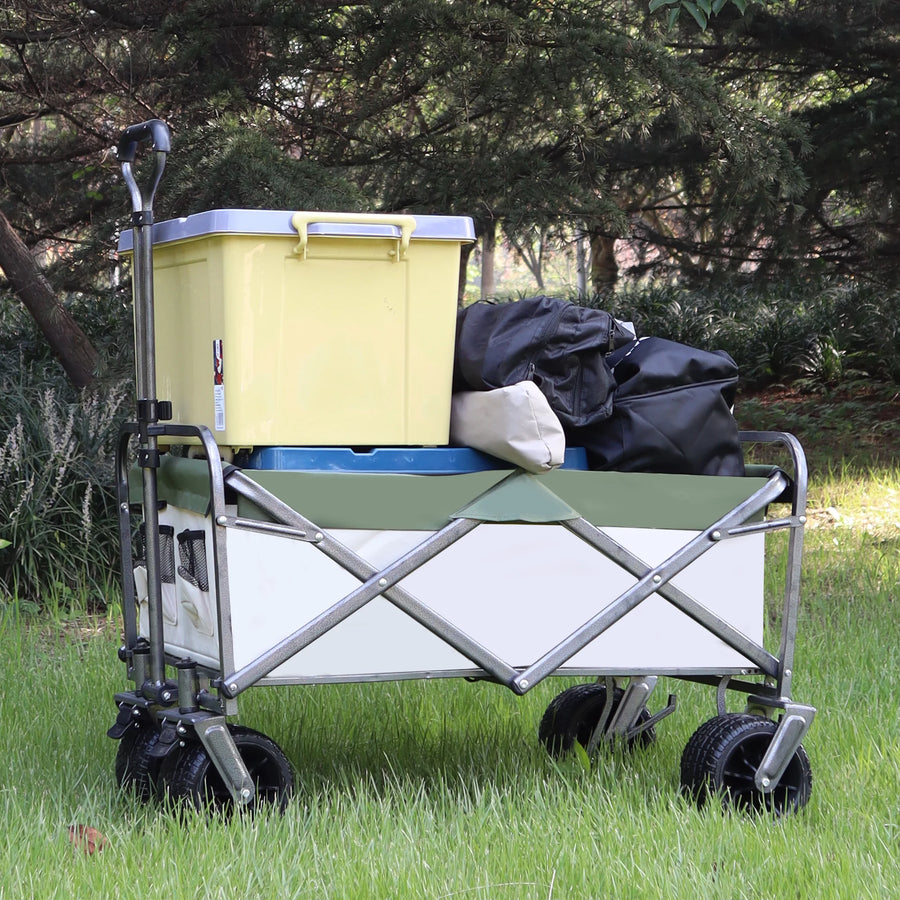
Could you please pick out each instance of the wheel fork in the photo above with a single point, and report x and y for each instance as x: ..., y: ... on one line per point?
x: 624, y: 722
x: 219, y: 744
x: 792, y: 728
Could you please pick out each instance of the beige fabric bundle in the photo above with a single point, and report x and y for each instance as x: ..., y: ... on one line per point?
x: 514, y: 423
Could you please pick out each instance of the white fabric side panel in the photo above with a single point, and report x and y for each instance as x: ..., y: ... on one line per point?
x: 278, y: 585
x: 517, y: 589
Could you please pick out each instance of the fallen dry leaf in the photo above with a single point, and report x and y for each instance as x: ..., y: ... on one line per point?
x: 87, y: 839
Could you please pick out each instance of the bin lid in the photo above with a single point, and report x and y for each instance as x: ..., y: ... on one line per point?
x: 278, y: 223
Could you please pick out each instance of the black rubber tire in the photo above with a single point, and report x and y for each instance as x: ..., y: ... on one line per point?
x: 574, y: 714
x: 136, y: 768
x: 191, y: 777
x: 721, y: 760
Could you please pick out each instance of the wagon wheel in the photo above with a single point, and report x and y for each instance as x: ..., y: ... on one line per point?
x: 574, y: 714
x: 189, y: 774
x: 136, y: 767
x: 722, y: 758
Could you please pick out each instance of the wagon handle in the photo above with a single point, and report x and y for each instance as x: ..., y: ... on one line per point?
x: 149, y: 410
x: 156, y: 133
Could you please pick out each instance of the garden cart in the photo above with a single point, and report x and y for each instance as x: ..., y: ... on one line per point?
x: 291, y: 514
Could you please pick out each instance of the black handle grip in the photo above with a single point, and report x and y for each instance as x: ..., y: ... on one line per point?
x: 155, y: 131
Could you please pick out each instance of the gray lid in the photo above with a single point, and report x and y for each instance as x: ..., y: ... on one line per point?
x: 278, y: 222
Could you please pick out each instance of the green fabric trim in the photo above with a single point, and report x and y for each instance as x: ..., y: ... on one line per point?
x: 180, y: 481
x: 384, y: 501
x: 377, y: 501
x: 647, y: 500
x: 519, y: 498
x: 760, y: 470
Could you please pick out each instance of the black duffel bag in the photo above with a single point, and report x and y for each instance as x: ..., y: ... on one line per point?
x: 558, y: 345
x: 671, y: 412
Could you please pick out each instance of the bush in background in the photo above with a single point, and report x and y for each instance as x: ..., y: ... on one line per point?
x: 57, y: 461
x: 812, y: 335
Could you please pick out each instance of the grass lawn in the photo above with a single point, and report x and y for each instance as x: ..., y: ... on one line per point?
x: 439, y: 789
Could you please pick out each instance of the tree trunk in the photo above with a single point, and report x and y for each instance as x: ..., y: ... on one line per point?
x: 66, y: 339
x: 488, y: 280
x: 604, y: 268
x: 581, y: 264
x: 465, y: 253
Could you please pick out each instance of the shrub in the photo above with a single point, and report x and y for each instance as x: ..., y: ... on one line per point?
x: 817, y: 334
x: 57, y: 459
x: 57, y: 483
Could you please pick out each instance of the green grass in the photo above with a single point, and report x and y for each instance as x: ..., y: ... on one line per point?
x: 851, y: 429
x: 439, y: 789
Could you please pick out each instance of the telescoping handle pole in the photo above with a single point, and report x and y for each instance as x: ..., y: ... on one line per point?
x: 155, y: 133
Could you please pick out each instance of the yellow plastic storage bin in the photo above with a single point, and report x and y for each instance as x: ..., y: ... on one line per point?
x: 284, y: 328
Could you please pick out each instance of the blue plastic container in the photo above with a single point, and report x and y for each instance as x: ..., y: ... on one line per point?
x: 395, y: 460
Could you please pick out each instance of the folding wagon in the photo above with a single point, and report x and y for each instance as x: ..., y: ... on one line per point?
x: 311, y: 525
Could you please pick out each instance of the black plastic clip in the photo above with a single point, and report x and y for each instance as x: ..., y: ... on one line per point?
x: 167, y: 741
x: 154, y: 410
x: 124, y: 720
x: 148, y: 459
x: 142, y: 217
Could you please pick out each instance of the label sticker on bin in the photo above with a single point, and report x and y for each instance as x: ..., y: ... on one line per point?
x: 219, y: 385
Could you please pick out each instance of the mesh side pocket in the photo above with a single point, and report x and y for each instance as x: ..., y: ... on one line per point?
x: 167, y: 554
x: 192, y: 553
x: 166, y: 577
x: 193, y: 581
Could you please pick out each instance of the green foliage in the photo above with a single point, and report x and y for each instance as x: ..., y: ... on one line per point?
x: 812, y: 334
x: 533, y: 114
x: 851, y: 426
x: 57, y: 469
x: 236, y: 163
x: 55, y: 476
x: 701, y: 10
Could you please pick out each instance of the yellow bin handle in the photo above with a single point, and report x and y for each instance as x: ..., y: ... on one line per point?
x: 302, y: 220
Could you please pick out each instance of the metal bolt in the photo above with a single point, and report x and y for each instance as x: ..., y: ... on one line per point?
x: 802, y: 520
x: 788, y: 673
x: 319, y: 536
x: 765, y: 782
x: 524, y: 682
x: 222, y: 520
x: 166, y: 696
x: 657, y: 579
x: 180, y: 728
x: 382, y: 581
x: 246, y: 794
x: 233, y: 688
x: 716, y: 535
x: 123, y: 507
